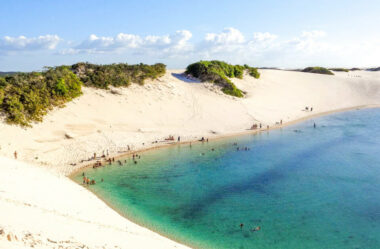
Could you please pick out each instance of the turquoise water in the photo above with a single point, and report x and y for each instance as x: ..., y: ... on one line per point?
x: 305, y: 187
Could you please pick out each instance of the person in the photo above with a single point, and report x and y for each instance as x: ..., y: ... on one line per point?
x: 315, y: 126
x: 241, y: 225
x: 260, y: 125
x: 94, y: 155
x: 311, y: 109
x: 102, y: 180
x: 281, y: 121
x: 15, y: 154
x: 207, y: 140
x: 179, y: 138
x: 256, y: 229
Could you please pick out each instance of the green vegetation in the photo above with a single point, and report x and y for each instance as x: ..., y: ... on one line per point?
x: 219, y: 72
x: 3, y: 74
x: 27, y: 97
x: 339, y: 69
x: 102, y: 76
x: 320, y: 70
x: 355, y: 69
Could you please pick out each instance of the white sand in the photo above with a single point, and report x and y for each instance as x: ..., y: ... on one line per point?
x: 40, y: 200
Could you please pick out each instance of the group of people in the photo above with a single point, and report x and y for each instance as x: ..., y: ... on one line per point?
x: 308, y: 108
x: 244, y: 148
x: 88, y: 181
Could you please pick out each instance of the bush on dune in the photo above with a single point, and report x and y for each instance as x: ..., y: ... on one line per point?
x: 339, y: 69
x: 27, y: 97
x: 219, y: 72
x: 319, y: 70
x: 103, y: 76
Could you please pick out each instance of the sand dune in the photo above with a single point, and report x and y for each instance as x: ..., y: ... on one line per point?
x: 137, y: 116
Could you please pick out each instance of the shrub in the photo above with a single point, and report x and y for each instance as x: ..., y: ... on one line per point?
x: 102, y: 76
x: 339, y: 69
x: 219, y: 72
x: 27, y: 97
x: 319, y: 70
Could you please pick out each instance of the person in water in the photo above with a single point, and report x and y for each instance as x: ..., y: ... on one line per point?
x: 256, y: 229
x: 241, y: 226
x: 315, y: 126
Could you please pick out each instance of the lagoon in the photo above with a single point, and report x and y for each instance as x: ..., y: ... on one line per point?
x: 305, y: 187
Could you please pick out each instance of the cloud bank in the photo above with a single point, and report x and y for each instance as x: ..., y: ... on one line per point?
x: 22, y: 43
x: 177, y: 42
x: 257, y: 48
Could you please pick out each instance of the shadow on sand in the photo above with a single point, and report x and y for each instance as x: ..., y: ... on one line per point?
x: 183, y: 77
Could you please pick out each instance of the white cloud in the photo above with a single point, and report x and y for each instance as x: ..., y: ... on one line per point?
x: 264, y: 37
x: 22, y: 43
x: 228, y: 36
x: 313, y: 34
x: 176, y: 42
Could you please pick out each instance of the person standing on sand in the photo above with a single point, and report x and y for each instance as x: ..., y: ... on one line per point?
x: 179, y: 138
x: 15, y: 154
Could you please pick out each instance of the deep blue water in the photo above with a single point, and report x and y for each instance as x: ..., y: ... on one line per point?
x: 305, y: 187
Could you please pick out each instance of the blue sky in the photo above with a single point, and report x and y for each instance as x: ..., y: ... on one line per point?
x: 278, y: 33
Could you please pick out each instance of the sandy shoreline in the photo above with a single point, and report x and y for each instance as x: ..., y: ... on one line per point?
x: 59, y: 210
x: 247, y: 132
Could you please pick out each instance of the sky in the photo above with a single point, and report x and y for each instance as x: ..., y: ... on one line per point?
x: 261, y: 33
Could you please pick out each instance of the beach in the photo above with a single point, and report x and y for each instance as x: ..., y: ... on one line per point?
x: 48, y: 209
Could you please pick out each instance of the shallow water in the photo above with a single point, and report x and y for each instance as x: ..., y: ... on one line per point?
x: 315, y: 188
